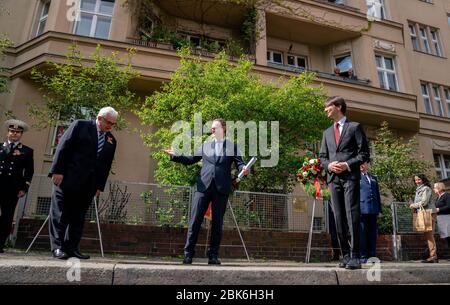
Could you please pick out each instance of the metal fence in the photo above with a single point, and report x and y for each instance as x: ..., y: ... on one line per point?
x: 402, y: 218
x: 168, y: 205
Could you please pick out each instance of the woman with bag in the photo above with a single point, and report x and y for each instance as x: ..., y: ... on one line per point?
x: 422, y: 206
x: 443, y: 211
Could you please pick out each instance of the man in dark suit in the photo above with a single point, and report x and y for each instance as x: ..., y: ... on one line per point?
x: 344, y: 148
x: 16, y: 172
x: 213, y: 184
x: 370, y: 208
x: 79, y: 171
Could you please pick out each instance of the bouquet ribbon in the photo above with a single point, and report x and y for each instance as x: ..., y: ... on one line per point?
x: 317, y: 186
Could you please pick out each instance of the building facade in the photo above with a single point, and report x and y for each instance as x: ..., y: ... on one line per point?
x: 399, y: 61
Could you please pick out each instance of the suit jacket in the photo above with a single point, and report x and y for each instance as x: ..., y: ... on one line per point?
x: 352, y: 148
x: 217, y: 168
x: 443, y: 204
x: 370, y: 199
x: 76, y: 158
x: 16, y: 167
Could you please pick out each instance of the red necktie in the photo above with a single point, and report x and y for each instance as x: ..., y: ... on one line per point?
x: 337, y: 134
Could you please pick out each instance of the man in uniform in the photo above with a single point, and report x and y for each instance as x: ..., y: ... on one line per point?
x: 16, y: 172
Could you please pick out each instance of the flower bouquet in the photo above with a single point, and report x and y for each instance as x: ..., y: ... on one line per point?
x: 312, y: 176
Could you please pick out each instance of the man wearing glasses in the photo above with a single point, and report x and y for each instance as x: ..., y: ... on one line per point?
x: 213, y: 185
x: 79, y: 171
x: 16, y: 172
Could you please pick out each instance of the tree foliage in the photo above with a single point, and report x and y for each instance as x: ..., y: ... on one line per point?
x: 76, y: 90
x: 396, y: 162
x: 220, y: 89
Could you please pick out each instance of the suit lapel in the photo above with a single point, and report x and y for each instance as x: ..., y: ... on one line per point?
x: 332, y: 137
x: 94, y: 135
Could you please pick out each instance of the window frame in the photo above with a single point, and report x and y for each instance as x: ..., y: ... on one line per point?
x: 42, y: 18
x: 296, y: 57
x: 436, y: 42
x: 426, y: 97
x: 447, y: 99
x: 95, y: 16
x: 442, y: 169
x: 413, y: 36
x: 270, y: 59
x: 438, y: 100
x: 387, y: 71
x: 424, y: 39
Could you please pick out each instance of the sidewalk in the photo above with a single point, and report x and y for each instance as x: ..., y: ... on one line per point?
x: 40, y: 268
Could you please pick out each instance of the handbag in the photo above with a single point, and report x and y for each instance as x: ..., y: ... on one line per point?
x: 422, y: 220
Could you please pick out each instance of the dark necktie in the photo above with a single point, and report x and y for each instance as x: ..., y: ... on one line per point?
x: 101, y: 142
x: 337, y: 134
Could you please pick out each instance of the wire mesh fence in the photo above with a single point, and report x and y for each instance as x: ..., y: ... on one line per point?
x: 402, y: 218
x: 167, y: 205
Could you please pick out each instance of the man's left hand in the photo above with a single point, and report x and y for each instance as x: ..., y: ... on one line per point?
x: 21, y: 194
x: 246, y: 171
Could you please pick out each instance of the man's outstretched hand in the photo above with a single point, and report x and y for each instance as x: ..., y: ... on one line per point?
x: 169, y: 152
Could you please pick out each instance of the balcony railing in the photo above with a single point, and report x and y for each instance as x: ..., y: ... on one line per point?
x: 337, y: 4
x: 195, y: 50
x: 318, y: 73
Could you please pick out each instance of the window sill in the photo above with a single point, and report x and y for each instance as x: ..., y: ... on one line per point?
x: 431, y: 54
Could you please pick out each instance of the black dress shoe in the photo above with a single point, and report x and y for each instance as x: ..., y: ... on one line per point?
x: 353, y: 264
x: 344, y: 261
x: 1, y: 250
x: 187, y: 260
x: 214, y: 261
x: 77, y: 254
x: 58, y: 253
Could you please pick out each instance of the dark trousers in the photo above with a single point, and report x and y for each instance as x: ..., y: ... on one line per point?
x: 333, y: 233
x: 199, y: 206
x: 67, y: 215
x: 345, y: 203
x: 8, y: 202
x: 368, y: 235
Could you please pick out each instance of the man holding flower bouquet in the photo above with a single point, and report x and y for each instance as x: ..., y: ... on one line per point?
x: 344, y: 148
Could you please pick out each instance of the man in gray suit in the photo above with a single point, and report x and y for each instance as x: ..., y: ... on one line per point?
x: 213, y: 185
x: 344, y: 148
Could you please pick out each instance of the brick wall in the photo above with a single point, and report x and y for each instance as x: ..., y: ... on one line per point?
x: 161, y: 242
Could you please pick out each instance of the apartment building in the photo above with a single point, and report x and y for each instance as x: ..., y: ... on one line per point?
x: 398, y: 62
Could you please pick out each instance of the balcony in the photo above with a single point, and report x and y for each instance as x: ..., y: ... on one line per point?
x: 366, y: 103
x: 319, y: 74
x: 197, y: 51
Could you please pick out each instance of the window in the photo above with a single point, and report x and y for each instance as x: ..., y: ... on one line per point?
x: 426, y: 98
x: 442, y: 165
x: 427, y: 1
x: 426, y: 33
x: 386, y: 72
x: 413, y: 34
x: 424, y: 37
x: 435, y: 41
x: 275, y: 57
x: 437, y: 100
x: 43, y: 17
x: 337, y: 1
x: 447, y: 100
x: 296, y: 61
x: 343, y: 62
x: 448, y: 19
x: 376, y: 8
x: 95, y: 18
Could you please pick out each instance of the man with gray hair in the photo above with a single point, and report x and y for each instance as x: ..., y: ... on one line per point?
x: 80, y: 168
